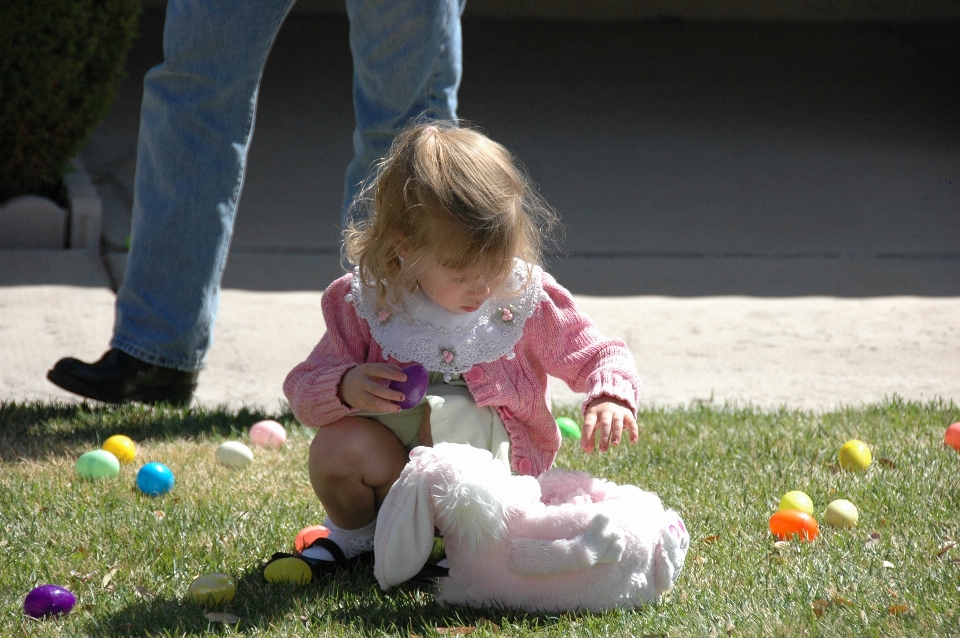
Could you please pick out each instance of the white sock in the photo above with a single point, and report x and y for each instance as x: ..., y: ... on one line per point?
x: 351, y: 541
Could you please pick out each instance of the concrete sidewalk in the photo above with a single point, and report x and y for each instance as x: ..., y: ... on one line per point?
x: 766, y: 213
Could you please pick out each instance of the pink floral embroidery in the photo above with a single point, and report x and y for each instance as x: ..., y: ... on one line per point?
x: 507, y: 315
x: 447, y: 356
x: 383, y: 315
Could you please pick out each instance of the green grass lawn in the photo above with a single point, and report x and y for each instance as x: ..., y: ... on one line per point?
x: 130, y: 558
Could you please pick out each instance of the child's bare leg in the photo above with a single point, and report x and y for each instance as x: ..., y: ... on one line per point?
x: 353, y: 464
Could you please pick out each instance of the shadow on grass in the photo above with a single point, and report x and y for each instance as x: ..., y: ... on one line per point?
x: 38, y: 431
x: 350, y: 599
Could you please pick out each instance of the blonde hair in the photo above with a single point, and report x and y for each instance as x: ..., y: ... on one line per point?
x: 450, y: 192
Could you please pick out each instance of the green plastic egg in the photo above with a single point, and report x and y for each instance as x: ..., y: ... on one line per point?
x: 568, y: 427
x: 98, y: 464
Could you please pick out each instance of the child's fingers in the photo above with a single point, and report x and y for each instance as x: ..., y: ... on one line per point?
x: 377, y: 376
x: 382, y: 394
x: 384, y: 371
x: 604, y: 427
x: 587, y: 435
x: 630, y: 422
x: 616, y: 429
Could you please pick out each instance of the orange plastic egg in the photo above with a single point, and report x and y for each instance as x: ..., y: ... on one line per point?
x: 309, y: 534
x: 786, y: 524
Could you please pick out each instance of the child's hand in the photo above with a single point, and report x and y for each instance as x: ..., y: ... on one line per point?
x: 607, y: 417
x: 360, y: 387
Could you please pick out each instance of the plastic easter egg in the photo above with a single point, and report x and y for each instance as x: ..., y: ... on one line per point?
x: 952, y: 436
x: 48, y: 600
x: 269, y: 434
x: 309, y: 534
x: 233, y: 454
x: 121, y: 447
x: 414, y: 388
x: 98, y: 464
x: 155, y: 479
x: 786, y: 524
x: 842, y: 513
x: 797, y: 500
x: 855, y: 455
x: 212, y: 589
x: 568, y: 427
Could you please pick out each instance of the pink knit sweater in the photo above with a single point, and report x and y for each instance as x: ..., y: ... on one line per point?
x: 557, y: 340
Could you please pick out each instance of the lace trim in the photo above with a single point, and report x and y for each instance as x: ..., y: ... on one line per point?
x: 447, y: 342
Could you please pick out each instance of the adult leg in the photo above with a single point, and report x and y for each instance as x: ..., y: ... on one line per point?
x: 407, y: 63
x: 195, y: 129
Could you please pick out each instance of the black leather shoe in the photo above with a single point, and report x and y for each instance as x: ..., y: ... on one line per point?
x: 119, y: 378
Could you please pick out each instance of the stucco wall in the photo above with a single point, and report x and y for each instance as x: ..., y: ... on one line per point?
x: 808, y: 10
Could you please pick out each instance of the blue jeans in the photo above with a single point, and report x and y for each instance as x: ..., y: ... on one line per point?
x: 195, y: 129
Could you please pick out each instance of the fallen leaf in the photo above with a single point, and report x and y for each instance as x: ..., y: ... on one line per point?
x: 820, y: 606
x: 863, y: 617
x: 946, y: 548
x: 700, y: 559
x: 144, y: 593
x: 711, y: 539
x: 896, y: 610
x: 833, y: 467
x: 887, y: 564
x: 872, y: 540
x: 781, y: 544
x: 839, y: 600
x: 485, y: 622
x: 887, y: 463
x: 219, y: 616
x: 160, y: 514
x: 109, y: 576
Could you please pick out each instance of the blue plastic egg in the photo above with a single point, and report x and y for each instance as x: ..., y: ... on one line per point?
x: 155, y: 479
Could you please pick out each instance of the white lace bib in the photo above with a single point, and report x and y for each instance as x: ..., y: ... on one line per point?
x: 449, y: 342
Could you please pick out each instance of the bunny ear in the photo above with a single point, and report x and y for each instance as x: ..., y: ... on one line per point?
x: 404, y: 536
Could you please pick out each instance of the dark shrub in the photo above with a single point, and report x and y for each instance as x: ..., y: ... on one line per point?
x: 60, y: 63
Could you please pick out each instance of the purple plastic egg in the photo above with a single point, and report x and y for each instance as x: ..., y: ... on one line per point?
x: 48, y: 600
x: 414, y: 388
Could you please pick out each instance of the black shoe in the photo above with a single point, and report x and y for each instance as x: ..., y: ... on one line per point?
x: 119, y: 378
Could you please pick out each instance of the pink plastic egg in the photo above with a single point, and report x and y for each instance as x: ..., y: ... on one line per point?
x: 414, y: 388
x: 269, y: 434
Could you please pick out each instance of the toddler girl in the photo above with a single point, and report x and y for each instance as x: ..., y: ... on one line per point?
x: 446, y: 275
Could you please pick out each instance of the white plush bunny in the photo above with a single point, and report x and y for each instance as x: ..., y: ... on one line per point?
x: 563, y: 542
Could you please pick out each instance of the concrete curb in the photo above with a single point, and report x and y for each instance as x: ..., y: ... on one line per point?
x: 30, y: 222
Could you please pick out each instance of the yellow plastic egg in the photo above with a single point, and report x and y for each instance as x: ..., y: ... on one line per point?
x: 855, y: 455
x: 797, y: 500
x: 212, y: 589
x: 121, y: 447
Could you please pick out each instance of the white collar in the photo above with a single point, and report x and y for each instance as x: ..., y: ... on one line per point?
x: 448, y: 342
